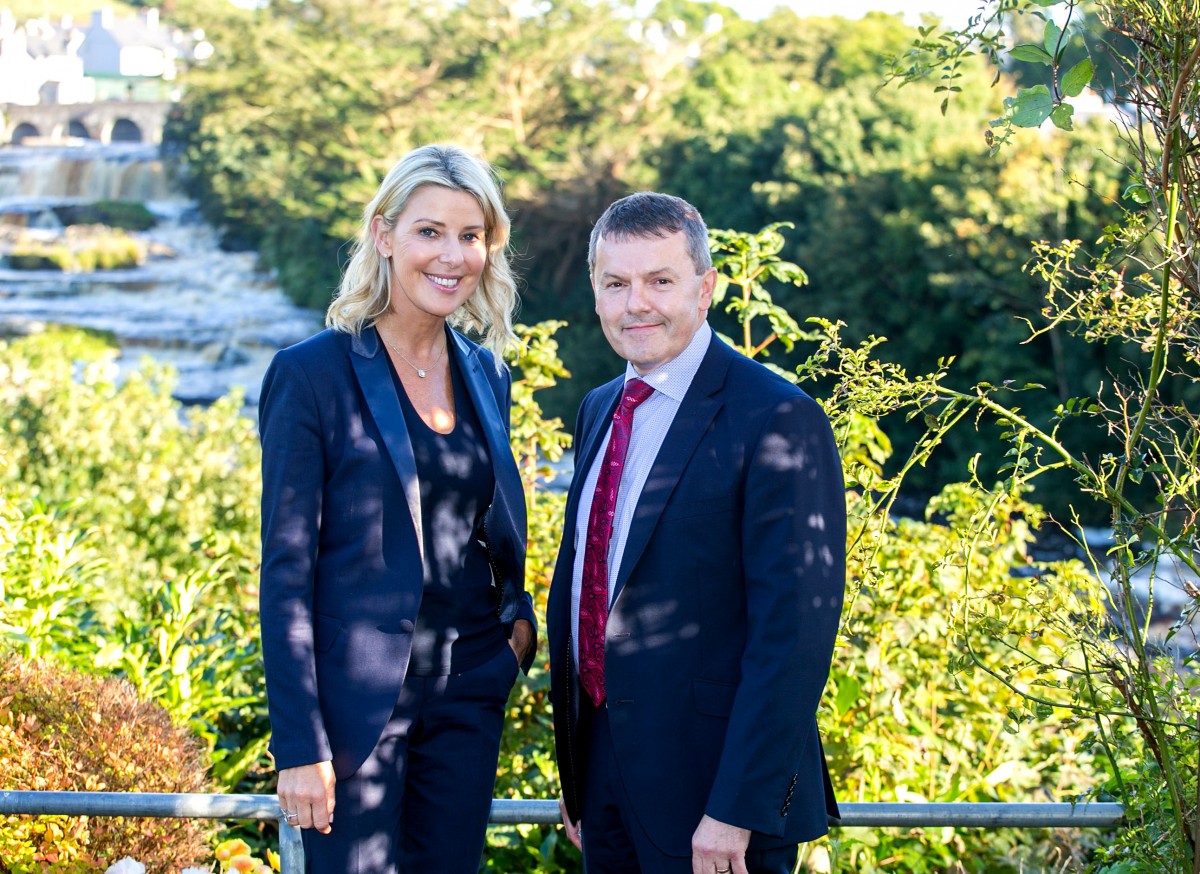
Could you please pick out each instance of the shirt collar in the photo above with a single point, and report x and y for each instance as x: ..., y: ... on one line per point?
x: 674, y: 377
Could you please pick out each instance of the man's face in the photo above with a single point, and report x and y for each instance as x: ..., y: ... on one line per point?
x: 649, y: 297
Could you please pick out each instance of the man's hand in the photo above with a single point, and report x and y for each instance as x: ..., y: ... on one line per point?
x: 718, y: 848
x: 522, y: 640
x: 572, y: 828
x: 307, y: 791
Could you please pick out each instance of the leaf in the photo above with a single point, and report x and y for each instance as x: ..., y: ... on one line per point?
x: 1031, y: 53
x: 1030, y: 107
x: 1078, y: 78
x: 1137, y: 192
x: 1051, y: 38
x: 848, y: 693
x: 720, y: 288
x: 1061, y: 116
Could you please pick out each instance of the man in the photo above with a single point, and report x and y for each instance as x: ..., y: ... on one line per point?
x: 698, y: 589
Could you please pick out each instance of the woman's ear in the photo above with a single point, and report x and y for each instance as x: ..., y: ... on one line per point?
x: 382, y: 234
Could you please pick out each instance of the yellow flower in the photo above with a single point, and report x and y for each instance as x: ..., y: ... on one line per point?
x: 226, y: 850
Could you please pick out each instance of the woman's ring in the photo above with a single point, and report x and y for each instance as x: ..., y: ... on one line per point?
x: 724, y: 870
x: 288, y: 814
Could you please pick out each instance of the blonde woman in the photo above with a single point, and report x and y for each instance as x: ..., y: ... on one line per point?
x: 393, y: 610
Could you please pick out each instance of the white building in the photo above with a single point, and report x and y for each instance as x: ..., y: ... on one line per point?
x: 110, y: 58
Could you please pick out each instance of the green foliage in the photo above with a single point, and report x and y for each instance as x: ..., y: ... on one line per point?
x: 527, y: 768
x: 128, y: 537
x: 125, y: 215
x: 745, y: 262
x: 62, y: 730
x: 1138, y: 288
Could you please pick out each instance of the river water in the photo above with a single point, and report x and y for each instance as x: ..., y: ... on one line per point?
x: 212, y: 315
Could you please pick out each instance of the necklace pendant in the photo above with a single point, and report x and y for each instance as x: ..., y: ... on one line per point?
x: 420, y: 373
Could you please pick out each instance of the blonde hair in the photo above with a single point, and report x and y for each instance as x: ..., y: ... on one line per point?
x: 364, y: 294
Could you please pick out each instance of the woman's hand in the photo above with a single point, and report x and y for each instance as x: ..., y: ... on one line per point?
x: 307, y: 792
x: 523, y: 640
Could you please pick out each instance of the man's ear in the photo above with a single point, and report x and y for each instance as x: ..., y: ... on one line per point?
x: 707, y: 284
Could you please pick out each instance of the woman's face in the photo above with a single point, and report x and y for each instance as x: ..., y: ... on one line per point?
x: 437, y: 251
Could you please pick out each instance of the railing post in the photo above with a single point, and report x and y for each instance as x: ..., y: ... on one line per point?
x: 291, y: 848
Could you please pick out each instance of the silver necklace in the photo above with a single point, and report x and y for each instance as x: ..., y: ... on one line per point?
x: 421, y: 372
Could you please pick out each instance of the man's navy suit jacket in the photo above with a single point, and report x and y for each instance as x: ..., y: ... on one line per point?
x: 726, y: 608
x: 342, y: 572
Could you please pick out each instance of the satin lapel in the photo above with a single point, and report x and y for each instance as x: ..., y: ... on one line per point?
x: 375, y: 380
x: 493, y: 418
x: 700, y: 405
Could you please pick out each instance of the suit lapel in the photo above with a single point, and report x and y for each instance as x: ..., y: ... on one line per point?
x: 493, y: 418
x: 375, y: 380
x: 697, y: 410
x: 593, y: 438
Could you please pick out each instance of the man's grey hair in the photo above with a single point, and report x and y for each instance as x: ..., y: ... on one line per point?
x: 650, y: 214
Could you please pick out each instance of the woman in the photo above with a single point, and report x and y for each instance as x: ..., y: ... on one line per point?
x: 393, y: 610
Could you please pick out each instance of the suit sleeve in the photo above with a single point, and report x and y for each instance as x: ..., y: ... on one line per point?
x: 293, y: 473
x: 793, y: 535
x: 524, y: 601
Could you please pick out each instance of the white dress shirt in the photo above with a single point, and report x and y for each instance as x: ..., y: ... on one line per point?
x: 651, y: 421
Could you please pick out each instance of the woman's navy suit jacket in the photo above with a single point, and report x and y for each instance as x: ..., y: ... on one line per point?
x: 342, y: 571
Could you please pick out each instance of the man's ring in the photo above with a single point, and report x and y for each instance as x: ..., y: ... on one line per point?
x: 724, y: 870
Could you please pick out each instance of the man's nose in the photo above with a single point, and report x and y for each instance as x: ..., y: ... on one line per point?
x: 639, y: 298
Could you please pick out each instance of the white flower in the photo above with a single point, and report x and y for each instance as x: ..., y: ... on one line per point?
x: 126, y: 866
x: 195, y: 871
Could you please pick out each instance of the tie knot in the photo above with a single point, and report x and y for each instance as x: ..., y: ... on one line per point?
x: 634, y: 392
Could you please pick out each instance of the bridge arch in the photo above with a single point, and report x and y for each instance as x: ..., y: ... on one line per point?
x: 110, y: 121
x: 76, y: 128
x: 124, y: 131
x: 24, y: 131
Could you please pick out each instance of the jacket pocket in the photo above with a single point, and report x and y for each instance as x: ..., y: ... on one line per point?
x: 713, y: 698
x: 326, y: 630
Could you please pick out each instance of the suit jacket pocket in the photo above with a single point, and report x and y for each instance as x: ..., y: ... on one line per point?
x: 713, y: 698
x: 684, y: 509
x: 326, y: 632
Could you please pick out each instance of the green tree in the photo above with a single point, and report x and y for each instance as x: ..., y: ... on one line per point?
x: 1135, y: 285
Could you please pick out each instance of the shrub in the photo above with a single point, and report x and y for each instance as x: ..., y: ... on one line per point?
x: 126, y: 215
x: 151, y: 575
x: 66, y: 731
x: 36, y: 256
x: 85, y: 250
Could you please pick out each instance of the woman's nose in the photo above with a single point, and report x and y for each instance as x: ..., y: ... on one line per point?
x: 451, y: 252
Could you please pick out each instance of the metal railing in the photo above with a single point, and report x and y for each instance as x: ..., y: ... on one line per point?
x: 505, y: 811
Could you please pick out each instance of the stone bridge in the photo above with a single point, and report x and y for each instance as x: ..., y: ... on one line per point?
x: 110, y: 122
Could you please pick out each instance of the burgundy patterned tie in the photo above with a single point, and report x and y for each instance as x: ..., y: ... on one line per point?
x: 593, y: 594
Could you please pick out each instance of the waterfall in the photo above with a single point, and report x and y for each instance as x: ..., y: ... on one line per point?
x: 215, y: 316
x: 82, y: 174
